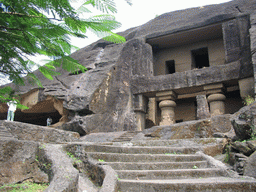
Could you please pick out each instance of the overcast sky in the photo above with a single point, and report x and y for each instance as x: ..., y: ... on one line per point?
x: 144, y: 10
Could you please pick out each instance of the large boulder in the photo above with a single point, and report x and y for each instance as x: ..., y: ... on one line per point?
x: 244, y: 122
x: 242, y: 147
x: 18, y: 162
x: 250, y: 166
x: 191, y: 129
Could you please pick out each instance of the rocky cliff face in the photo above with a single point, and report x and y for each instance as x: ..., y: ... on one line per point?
x: 101, y: 99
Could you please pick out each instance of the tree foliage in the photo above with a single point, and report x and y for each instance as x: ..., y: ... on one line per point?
x: 32, y: 27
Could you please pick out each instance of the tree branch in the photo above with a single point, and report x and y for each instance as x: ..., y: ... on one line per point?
x: 4, y: 27
x: 32, y: 16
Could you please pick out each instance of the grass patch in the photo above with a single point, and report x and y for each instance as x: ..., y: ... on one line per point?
x: 75, y: 159
x: 24, y: 187
x: 195, y: 167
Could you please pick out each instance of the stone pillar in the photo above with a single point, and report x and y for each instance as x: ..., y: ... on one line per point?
x: 167, y: 106
x: 140, y: 109
x: 152, y: 110
x: 203, y: 111
x: 217, y: 105
x: 167, y: 112
x: 140, y: 120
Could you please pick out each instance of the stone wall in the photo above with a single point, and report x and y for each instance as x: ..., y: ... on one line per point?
x: 182, y: 56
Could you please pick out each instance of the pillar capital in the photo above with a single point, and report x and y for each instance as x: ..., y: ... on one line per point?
x: 214, y: 88
x: 167, y: 103
x: 166, y: 95
x: 216, y: 97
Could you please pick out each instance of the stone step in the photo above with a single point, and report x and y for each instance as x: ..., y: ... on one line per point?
x: 121, y: 157
x: 193, y: 142
x: 171, y: 174
x: 157, y: 165
x: 127, y: 136
x: 218, y: 184
x: 122, y: 139
x: 140, y: 149
x: 5, y: 134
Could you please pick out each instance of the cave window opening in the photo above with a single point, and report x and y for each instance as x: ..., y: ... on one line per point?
x: 170, y: 67
x: 200, y: 58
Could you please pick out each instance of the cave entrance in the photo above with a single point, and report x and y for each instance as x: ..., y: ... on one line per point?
x: 37, y: 118
x: 38, y: 111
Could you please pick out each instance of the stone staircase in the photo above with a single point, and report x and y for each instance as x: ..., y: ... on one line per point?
x: 127, y: 136
x: 4, y: 133
x: 173, y: 165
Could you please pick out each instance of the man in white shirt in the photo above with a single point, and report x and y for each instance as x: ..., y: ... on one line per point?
x: 49, y: 121
x: 12, y: 108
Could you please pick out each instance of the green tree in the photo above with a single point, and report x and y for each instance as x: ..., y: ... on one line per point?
x: 31, y: 27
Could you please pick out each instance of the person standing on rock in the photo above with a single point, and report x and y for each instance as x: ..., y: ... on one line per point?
x: 49, y: 121
x: 11, y: 110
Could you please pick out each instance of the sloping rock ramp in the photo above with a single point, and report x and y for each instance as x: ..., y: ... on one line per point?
x: 159, y: 166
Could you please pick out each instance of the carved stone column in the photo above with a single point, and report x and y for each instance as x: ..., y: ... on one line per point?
x: 167, y: 112
x: 217, y: 105
x: 203, y: 111
x: 167, y: 106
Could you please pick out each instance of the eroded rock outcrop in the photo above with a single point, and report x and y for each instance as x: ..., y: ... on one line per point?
x: 18, y: 160
x: 244, y: 122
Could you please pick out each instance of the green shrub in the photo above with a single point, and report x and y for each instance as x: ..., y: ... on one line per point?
x: 248, y: 100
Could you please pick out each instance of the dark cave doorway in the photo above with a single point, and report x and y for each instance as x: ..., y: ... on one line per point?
x: 34, y: 118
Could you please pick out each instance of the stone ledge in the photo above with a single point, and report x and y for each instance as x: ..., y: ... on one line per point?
x: 29, y: 132
x: 192, y: 78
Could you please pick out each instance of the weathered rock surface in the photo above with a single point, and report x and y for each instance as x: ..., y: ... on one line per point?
x: 191, y: 129
x: 56, y: 163
x: 250, y: 166
x: 242, y: 147
x: 239, y: 162
x: 18, y: 162
x: 243, y: 122
x: 24, y: 131
x: 252, y: 145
